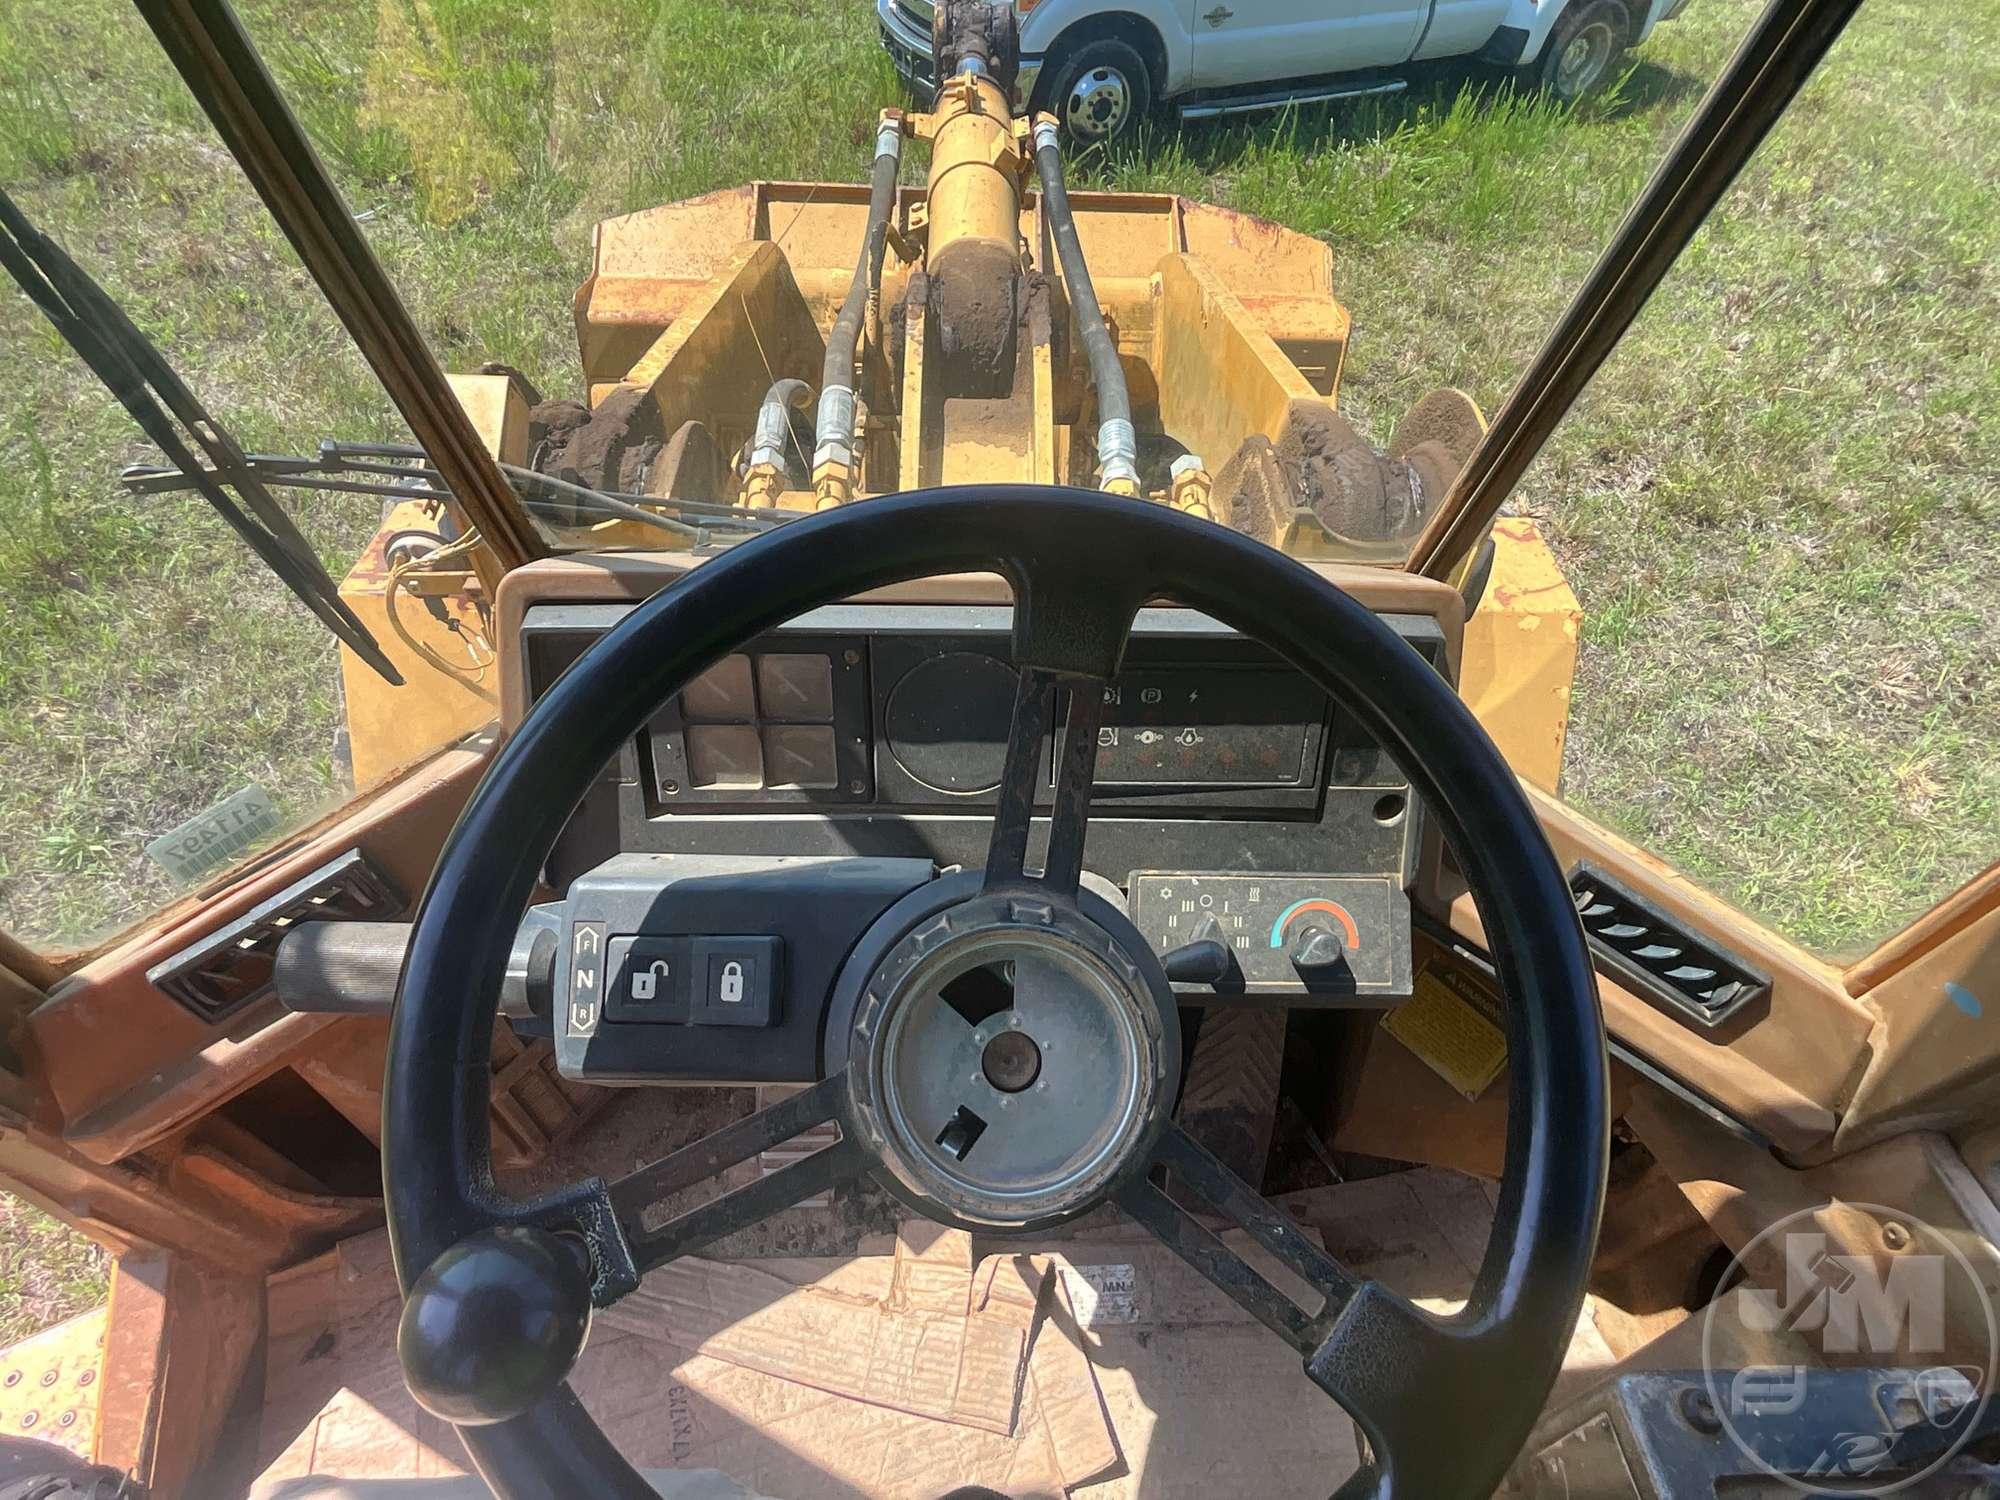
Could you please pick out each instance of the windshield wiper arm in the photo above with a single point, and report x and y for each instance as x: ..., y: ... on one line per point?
x: 142, y: 381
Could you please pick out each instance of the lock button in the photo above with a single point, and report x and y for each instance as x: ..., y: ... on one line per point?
x: 649, y: 979
x: 736, y: 980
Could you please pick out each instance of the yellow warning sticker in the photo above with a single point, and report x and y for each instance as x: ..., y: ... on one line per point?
x: 1451, y: 1024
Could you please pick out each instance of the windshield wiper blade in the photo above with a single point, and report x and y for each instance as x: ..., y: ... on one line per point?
x: 156, y: 398
x: 378, y: 458
x: 399, y: 471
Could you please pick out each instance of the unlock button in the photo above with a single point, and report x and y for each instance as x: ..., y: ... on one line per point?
x: 649, y: 979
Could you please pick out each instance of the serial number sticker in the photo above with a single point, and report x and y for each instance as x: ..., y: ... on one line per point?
x: 1451, y: 1027
x: 1102, y: 1294
x: 209, y: 840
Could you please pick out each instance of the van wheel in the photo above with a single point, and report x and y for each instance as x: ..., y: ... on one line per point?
x: 1582, y: 49
x: 1101, y: 92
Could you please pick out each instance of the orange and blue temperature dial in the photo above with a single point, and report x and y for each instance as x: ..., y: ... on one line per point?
x: 1302, y: 911
x: 1314, y: 938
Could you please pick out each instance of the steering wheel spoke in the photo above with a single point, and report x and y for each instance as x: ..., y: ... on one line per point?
x: 1069, y: 637
x: 789, y: 1186
x: 652, y: 1240
x: 1036, y: 706
x: 1071, y: 617
x: 1393, y: 1367
x: 1389, y: 1364
x: 1192, y: 1166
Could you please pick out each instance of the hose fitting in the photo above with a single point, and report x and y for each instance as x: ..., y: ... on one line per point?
x: 768, y: 474
x: 835, y: 426
x: 1192, y: 486
x: 1118, y: 456
x: 773, y: 434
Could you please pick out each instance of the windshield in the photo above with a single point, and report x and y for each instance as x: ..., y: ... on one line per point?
x: 1794, y: 446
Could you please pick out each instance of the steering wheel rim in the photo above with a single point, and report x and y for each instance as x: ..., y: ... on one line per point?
x: 1389, y: 1364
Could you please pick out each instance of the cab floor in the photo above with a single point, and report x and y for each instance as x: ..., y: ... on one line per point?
x: 1201, y: 1400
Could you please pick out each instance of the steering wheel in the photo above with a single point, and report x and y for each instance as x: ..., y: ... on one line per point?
x: 499, y: 1292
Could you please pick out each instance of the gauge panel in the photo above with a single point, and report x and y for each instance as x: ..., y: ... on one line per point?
x: 879, y: 728
x: 919, y: 719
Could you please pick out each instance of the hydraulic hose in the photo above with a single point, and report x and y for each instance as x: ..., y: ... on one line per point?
x: 773, y: 438
x: 834, y: 430
x: 1117, y: 440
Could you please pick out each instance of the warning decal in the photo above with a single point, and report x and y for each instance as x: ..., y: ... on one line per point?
x: 1102, y: 1294
x: 1450, y: 1022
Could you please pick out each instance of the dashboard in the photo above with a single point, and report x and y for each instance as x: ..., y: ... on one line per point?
x: 880, y: 730
x: 1233, y: 801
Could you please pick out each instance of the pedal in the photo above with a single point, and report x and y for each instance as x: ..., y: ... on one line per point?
x: 1230, y: 1100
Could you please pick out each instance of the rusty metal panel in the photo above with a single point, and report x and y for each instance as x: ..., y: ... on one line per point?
x: 646, y: 266
x: 1310, y: 331
x: 819, y: 226
x: 1255, y: 255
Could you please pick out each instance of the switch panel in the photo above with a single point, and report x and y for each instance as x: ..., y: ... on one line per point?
x: 711, y: 968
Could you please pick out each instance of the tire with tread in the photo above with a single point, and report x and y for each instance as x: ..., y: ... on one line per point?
x: 1108, y: 68
x: 1582, y: 52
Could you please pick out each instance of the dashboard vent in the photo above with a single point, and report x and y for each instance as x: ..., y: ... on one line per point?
x: 230, y: 969
x: 1655, y: 957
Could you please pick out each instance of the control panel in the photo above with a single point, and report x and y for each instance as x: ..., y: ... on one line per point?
x: 1198, y: 725
x: 709, y: 968
x: 1342, y: 939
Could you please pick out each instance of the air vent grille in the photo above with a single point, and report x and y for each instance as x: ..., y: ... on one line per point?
x: 1657, y: 958
x: 230, y: 969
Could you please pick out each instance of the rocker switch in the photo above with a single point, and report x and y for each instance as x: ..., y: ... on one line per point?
x: 648, y: 979
x: 736, y: 981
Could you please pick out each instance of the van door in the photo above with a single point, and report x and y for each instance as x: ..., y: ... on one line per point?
x: 1260, y: 41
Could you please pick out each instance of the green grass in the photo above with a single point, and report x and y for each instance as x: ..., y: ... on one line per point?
x: 48, y: 1272
x: 1777, y: 504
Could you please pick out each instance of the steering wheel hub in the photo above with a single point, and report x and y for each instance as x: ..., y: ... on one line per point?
x: 1010, y: 1059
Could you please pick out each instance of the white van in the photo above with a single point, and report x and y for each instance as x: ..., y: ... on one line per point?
x: 1100, y: 68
